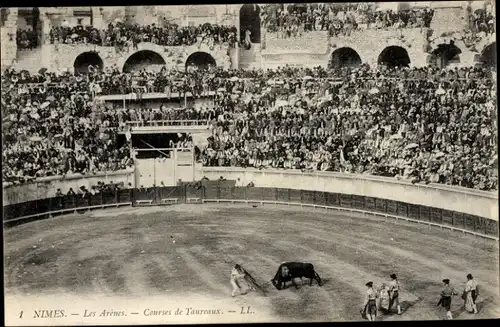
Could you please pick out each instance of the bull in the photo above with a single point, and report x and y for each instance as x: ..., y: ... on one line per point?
x: 288, y: 271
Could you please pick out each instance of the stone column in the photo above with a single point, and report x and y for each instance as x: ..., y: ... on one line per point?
x: 97, y: 18
x: 46, y: 27
x: 8, y: 35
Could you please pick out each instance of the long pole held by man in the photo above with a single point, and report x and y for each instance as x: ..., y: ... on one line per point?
x: 242, y: 281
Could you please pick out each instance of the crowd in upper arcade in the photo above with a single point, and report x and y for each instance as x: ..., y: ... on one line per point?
x: 337, y: 19
x: 419, y: 124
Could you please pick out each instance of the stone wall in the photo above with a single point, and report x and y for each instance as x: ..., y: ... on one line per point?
x: 8, y: 39
x: 370, y: 43
x: 315, y: 42
x: 46, y: 187
x: 63, y: 56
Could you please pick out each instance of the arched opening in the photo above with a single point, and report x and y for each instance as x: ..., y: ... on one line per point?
x: 250, y: 20
x: 87, y: 61
x: 394, y: 56
x: 200, y: 60
x: 446, y: 54
x: 344, y: 57
x: 28, y: 27
x: 488, y: 56
x: 144, y: 59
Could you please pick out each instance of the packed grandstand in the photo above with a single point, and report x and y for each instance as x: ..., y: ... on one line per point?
x: 422, y: 124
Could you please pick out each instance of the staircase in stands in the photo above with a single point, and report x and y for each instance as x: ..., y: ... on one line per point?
x: 251, y: 58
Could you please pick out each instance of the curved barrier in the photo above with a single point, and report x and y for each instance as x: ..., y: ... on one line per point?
x: 226, y: 191
x: 46, y: 187
x: 467, y: 201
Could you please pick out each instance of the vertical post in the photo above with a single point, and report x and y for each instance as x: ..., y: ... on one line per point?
x: 174, y: 158
x: 193, y: 162
x: 131, y: 196
x: 154, y: 171
x: 184, y: 191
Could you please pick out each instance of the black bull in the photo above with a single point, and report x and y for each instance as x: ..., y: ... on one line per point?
x: 295, y: 270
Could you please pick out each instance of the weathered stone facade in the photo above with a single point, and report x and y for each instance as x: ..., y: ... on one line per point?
x: 8, y: 39
x: 64, y: 55
x: 313, y: 49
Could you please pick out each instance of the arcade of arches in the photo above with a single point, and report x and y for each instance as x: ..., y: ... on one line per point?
x: 446, y: 54
x: 394, y: 56
x: 344, y: 57
x: 143, y: 59
x: 250, y: 20
x: 85, y: 60
x: 201, y: 60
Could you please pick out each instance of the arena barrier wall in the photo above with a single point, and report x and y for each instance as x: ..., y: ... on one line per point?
x: 468, y: 201
x: 46, y: 187
x: 226, y: 191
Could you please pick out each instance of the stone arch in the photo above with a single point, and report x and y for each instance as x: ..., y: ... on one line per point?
x: 144, y: 59
x: 250, y: 19
x: 489, y: 55
x: 394, y: 56
x: 344, y: 57
x: 84, y: 60
x: 445, y: 53
x: 200, y: 59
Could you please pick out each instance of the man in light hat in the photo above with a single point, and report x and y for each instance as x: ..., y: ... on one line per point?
x: 470, y: 294
x: 394, y: 293
x: 370, y: 304
x: 446, y: 295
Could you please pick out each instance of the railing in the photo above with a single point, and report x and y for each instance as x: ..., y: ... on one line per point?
x: 225, y: 191
x: 159, y: 123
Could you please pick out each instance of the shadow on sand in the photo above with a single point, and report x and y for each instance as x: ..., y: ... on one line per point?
x: 405, y: 305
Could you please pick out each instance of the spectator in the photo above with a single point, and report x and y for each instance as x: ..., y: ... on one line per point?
x: 121, y: 35
x: 420, y: 124
x: 338, y: 19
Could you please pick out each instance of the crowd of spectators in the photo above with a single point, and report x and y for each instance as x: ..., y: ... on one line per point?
x: 420, y: 124
x: 123, y: 35
x: 48, y: 131
x: 26, y: 39
x: 483, y: 21
x: 339, y: 18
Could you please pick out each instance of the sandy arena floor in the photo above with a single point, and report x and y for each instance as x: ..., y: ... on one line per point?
x: 125, y: 260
